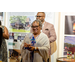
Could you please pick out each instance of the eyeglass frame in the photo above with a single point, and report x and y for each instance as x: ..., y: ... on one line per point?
x: 39, y: 16
x: 34, y: 26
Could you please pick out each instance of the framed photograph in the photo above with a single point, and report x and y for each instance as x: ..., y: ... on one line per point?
x: 70, y: 25
x: 69, y: 44
x: 69, y: 34
x: 20, y: 23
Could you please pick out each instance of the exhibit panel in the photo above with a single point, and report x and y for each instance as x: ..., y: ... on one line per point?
x: 67, y: 35
x: 18, y: 25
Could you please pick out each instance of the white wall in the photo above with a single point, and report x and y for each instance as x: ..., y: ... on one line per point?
x: 56, y: 25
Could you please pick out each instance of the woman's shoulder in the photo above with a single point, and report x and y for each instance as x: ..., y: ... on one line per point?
x: 43, y: 34
x: 28, y: 34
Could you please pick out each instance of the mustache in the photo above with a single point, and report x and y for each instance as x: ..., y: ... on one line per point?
x: 40, y: 20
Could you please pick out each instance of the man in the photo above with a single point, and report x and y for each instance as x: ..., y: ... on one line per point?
x: 49, y: 30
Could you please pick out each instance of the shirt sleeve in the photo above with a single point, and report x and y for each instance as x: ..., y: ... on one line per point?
x: 52, y: 34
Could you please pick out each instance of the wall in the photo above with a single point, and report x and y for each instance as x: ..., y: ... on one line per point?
x: 57, y: 19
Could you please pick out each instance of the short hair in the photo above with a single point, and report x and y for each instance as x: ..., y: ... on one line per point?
x: 38, y: 21
x: 43, y: 13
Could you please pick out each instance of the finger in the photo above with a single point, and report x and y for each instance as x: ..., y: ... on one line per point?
x: 29, y: 44
x: 25, y: 43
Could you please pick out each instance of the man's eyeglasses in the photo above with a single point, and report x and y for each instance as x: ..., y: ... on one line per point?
x: 34, y: 26
x: 39, y: 16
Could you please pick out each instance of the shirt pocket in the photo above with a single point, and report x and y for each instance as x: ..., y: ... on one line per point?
x: 46, y: 31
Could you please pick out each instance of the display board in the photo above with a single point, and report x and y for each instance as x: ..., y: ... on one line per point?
x: 18, y: 24
x: 69, y: 34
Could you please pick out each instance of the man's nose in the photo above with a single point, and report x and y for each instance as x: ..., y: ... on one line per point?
x: 34, y: 28
x: 37, y: 17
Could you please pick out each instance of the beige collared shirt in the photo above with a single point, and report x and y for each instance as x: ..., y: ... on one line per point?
x: 43, y: 25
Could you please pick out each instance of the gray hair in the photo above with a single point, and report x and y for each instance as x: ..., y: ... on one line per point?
x: 38, y: 21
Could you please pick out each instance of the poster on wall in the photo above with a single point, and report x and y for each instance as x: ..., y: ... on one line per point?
x: 19, y: 24
x: 69, y: 43
x: 70, y: 25
x: 14, y: 42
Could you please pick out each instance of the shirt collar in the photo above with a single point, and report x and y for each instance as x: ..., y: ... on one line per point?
x: 43, y: 24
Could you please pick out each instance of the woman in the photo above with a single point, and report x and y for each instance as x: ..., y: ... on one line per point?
x: 0, y: 43
x: 0, y: 36
x: 35, y: 45
x: 3, y: 49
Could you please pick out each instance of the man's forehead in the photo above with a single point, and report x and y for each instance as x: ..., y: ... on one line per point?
x: 40, y: 13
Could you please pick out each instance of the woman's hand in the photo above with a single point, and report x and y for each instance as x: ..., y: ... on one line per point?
x: 31, y: 48
x: 26, y: 45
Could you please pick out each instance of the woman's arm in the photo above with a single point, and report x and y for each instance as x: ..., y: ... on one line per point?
x: 6, y: 34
